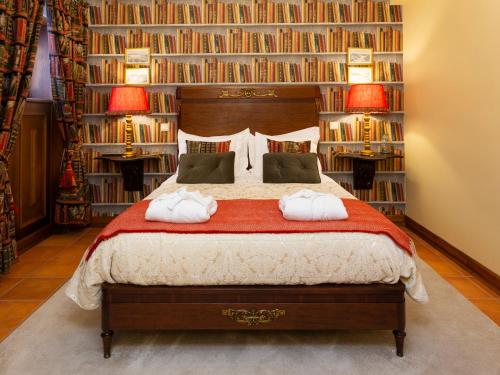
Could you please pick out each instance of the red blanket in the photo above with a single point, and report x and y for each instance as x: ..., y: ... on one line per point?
x: 256, y: 216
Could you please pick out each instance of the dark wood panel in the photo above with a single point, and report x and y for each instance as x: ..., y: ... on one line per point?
x: 209, y: 316
x: 328, y: 293
x: 33, y: 205
x: 204, y: 112
x: 34, y: 170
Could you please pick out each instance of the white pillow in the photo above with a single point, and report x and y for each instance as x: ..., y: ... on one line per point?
x: 239, y: 144
x: 308, y: 134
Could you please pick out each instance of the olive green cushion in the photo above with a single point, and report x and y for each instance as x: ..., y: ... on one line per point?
x: 285, y: 167
x: 216, y: 168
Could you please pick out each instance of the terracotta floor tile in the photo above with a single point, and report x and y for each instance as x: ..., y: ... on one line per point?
x: 446, y: 268
x: 7, y: 283
x: 468, y: 287
x: 41, y: 253
x: 425, y: 254
x: 4, y: 333
x: 24, y: 268
x: 71, y: 253
x: 490, y: 307
x: 485, y: 286
x: 33, y: 289
x: 14, y: 313
x: 57, y: 268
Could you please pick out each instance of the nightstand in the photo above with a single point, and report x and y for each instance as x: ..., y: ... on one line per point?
x: 363, y: 167
x: 132, y: 169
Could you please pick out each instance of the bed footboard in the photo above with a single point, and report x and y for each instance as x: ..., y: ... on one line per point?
x: 319, y: 307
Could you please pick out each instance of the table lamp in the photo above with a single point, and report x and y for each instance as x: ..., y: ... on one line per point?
x: 127, y: 101
x: 366, y: 99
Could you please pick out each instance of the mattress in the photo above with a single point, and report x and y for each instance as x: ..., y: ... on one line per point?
x: 245, y: 259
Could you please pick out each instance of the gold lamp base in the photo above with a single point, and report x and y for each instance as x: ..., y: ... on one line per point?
x: 367, y: 149
x: 129, y: 151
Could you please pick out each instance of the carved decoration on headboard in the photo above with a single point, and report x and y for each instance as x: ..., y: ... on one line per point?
x: 248, y: 93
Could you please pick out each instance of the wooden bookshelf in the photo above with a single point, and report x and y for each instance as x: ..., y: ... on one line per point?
x: 172, y: 28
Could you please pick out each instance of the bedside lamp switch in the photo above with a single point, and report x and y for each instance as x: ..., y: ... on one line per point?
x: 334, y: 125
x: 165, y: 127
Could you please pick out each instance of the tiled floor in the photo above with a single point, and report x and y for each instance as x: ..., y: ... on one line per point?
x: 43, y: 269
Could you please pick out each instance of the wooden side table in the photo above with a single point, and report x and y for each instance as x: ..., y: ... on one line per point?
x: 132, y: 169
x: 363, y: 167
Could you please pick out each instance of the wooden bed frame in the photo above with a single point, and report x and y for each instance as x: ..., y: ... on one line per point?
x: 271, y: 110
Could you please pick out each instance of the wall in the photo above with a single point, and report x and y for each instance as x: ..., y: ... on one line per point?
x: 452, y: 122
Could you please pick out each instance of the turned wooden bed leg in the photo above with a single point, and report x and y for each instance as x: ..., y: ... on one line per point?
x: 399, y: 333
x: 400, y: 340
x: 107, y: 337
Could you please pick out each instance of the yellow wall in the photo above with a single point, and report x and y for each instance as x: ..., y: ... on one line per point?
x: 452, y: 122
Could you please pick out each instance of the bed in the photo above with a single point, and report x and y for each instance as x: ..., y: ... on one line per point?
x: 274, y: 282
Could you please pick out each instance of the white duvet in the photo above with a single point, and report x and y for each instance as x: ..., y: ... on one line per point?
x: 244, y: 259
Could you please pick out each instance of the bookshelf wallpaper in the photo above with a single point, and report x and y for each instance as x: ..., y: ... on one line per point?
x: 235, y: 42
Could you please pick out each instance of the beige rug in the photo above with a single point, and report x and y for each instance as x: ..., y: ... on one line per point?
x: 447, y: 336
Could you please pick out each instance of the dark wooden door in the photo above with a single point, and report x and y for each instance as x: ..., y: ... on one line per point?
x: 33, y: 169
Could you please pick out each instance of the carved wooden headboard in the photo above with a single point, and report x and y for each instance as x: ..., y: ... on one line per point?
x: 216, y: 110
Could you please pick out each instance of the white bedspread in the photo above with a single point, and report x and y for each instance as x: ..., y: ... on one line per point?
x: 244, y: 259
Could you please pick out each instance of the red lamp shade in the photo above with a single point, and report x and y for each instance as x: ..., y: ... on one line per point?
x: 128, y: 100
x: 367, y: 98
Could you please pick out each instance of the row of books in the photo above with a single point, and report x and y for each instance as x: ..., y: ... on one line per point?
x: 260, y: 11
x: 326, y: 11
x: 385, y: 39
x: 333, y: 100
x: 198, y: 42
x: 376, y: 11
x: 331, y: 163
x: 265, y: 11
x: 113, y: 131
x: 288, y: 40
x: 215, y: 11
x: 382, y: 191
x: 167, y: 71
x: 160, y: 102
x: 169, y: 12
x: 215, y: 71
x: 323, y: 71
x: 109, y: 71
x: 167, y: 163
x: 260, y: 70
x: 113, y: 12
x: 241, y: 41
x: 110, y: 190
x: 385, y: 71
x: 266, y: 70
x: 347, y: 132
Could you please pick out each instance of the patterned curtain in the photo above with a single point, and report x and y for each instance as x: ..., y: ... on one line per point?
x: 20, y: 23
x: 67, y: 21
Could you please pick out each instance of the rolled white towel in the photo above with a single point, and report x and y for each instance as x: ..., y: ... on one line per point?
x: 182, y: 206
x: 308, y: 205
